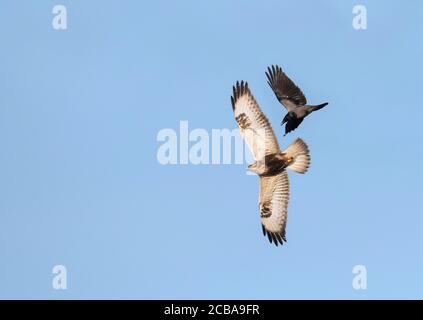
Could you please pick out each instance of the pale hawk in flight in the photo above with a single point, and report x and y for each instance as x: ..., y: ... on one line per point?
x: 270, y: 164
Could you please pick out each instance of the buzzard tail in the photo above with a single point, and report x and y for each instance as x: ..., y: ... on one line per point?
x: 298, y: 150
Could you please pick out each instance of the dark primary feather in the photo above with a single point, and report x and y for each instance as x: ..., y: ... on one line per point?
x: 284, y: 88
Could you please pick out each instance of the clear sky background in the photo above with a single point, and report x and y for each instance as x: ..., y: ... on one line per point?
x: 81, y: 186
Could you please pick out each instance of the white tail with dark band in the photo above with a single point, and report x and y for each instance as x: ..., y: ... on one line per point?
x: 298, y: 150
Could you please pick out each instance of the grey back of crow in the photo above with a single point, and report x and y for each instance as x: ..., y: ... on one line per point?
x: 291, y: 97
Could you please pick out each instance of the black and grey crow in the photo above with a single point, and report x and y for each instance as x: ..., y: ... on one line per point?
x: 290, y: 96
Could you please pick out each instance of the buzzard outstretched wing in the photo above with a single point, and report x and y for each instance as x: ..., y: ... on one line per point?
x: 287, y: 92
x: 253, y: 125
x: 273, y: 206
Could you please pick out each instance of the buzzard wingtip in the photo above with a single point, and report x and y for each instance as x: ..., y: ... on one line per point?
x: 268, y: 72
x: 274, y: 238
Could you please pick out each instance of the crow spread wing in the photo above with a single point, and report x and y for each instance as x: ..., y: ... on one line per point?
x: 287, y: 92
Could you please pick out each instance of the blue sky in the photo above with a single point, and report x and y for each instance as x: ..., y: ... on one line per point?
x: 81, y: 185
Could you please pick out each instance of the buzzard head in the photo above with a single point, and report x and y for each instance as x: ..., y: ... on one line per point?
x: 257, y: 167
